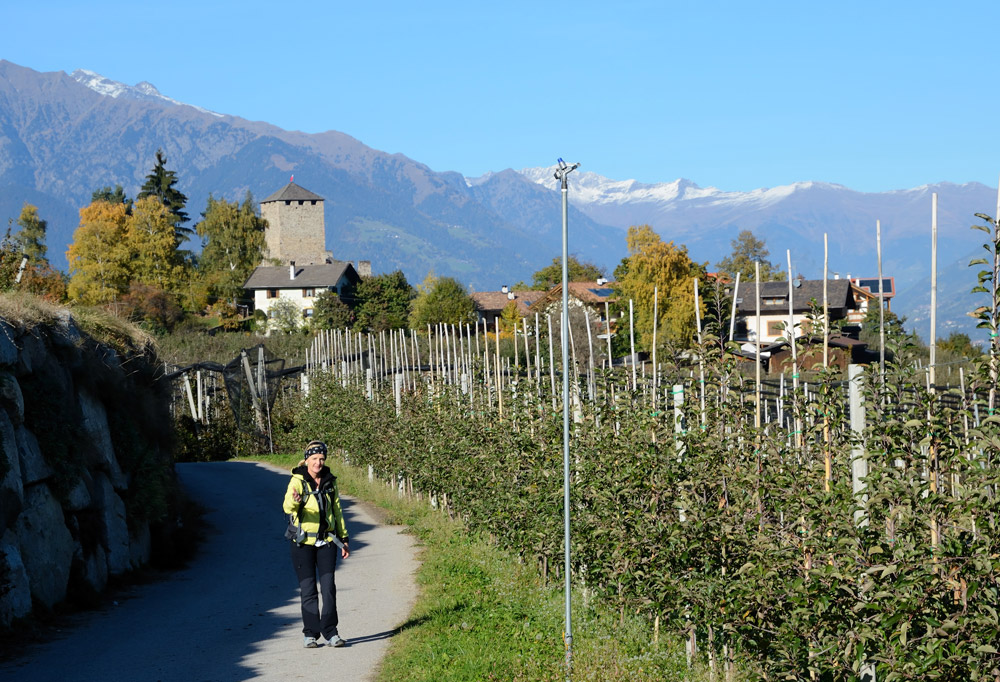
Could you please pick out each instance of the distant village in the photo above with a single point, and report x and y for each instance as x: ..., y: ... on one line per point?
x: 295, y: 235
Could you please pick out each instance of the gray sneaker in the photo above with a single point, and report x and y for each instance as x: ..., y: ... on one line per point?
x: 336, y: 640
x: 310, y: 642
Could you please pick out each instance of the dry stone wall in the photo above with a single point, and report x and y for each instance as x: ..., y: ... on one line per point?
x: 86, y: 474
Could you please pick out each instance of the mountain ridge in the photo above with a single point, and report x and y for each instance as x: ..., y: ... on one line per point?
x: 60, y: 139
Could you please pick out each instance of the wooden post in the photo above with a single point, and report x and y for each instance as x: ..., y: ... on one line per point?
x: 932, y: 369
x: 827, y: 457
x: 552, y: 370
x: 499, y: 376
x: 527, y: 350
x: 517, y: 355
x: 201, y: 400
x: 538, y: 356
x: 590, y: 356
x: 933, y: 342
x: 416, y: 348
x: 631, y: 340
x: 881, y: 310
x: 607, y: 330
x: 656, y: 291
x: 701, y: 355
x: 797, y: 425
x: 258, y: 413
x: 732, y: 314
x: 190, y: 397
x: 826, y: 302
x: 757, y: 337
x: 678, y: 394
x: 572, y: 345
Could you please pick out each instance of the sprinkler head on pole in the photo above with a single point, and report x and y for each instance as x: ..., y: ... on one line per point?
x: 563, y: 169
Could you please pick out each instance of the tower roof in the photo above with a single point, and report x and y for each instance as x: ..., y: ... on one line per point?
x: 293, y: 192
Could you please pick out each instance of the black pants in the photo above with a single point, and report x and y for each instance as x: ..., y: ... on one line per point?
x: 310, y: 562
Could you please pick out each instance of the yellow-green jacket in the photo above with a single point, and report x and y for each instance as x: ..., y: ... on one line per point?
x: 319, y: 512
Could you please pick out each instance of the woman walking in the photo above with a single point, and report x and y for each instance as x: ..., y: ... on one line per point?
x: 312, y: 504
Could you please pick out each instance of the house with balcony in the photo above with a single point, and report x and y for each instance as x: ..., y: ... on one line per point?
x: 775, y: 300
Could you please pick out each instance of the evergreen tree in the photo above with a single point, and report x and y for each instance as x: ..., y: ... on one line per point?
x: 112, y: 196
x: 32, y: 235
x: 160, y: 183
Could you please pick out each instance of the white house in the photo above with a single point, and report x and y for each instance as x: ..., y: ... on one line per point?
x: 774, y: 306
x: 299, y: 284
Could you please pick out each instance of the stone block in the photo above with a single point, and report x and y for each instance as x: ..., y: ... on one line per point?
x: 94, y: 569
x: 95, y: 423
x: 66, y: 334
x: 79, y: 497
x: 15, y: 599
x: 114, y: 530
x: 140, y: 546
x: 34, y: 468
x: 8, y: 348
x: 33, y: 353
x: 11, y: 487
x: 11, y: 398
x: 46, y: 545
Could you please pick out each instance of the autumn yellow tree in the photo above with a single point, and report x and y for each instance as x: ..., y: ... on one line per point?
x: 653, y: 264
x: 114, y: 247
x: 510, y: 318
x: 153, y: 256
x: 99, y: 255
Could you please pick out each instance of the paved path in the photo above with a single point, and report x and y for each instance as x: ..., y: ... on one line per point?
x: 233, y: 614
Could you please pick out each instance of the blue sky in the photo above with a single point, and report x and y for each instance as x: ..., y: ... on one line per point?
x: 736, y: 95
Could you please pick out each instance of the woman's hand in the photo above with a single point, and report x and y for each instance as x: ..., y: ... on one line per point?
x: 345, y: 551
x: 296, y: 496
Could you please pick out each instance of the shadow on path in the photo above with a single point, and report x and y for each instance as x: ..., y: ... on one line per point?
x: 233, y: 613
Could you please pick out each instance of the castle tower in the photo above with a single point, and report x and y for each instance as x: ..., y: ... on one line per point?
x: 295, y: 227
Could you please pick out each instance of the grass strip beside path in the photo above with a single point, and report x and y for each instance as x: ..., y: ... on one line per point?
x: 482, y: 615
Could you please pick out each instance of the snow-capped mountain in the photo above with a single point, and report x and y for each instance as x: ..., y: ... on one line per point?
x: 63, y: 136
x: 795, y: 218
x: 144, y: 91
x: 591, y: 188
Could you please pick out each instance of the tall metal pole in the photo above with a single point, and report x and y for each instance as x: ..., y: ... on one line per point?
x: 562, y: 173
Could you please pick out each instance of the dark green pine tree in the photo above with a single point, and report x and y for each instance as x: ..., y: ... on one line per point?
x: 112, y: 196
x: 160, y: 183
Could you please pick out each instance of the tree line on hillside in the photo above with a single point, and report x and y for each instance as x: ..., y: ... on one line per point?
x: 130, y: 256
